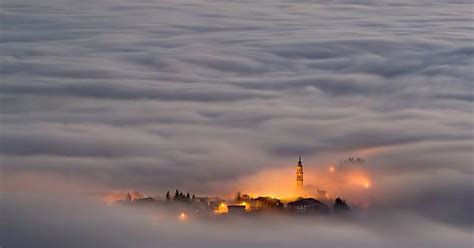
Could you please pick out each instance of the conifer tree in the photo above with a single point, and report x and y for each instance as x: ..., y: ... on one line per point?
x: 176, y: 195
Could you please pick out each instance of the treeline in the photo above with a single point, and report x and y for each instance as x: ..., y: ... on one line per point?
x: 179, y: 197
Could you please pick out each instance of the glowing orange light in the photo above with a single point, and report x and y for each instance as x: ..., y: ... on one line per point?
x: 183, y: 216
x: 333, y: 179
x: 247, y: 206
x: 222, y: 209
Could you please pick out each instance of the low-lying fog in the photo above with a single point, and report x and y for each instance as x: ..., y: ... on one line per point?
x: 56, y: 220
x: 219, y: 96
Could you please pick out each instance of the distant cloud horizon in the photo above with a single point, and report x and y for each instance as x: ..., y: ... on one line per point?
x: 158, y: 95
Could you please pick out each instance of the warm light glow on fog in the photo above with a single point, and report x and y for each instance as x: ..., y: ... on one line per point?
x: 247, y: 206
x: 183, y: 217
x: 349, y: 182
x: 112, y: 197
x: 221, y: 209
x: 359, y: 179
x: 367, y: 185
x: 271, y: 183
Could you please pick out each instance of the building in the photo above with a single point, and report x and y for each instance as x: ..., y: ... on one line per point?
x: 235, y: 209
x: 307, y: 205
x: 299, y: 177
x: 267, y: 203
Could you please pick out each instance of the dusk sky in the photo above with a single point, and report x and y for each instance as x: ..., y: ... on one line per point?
x: 204, y: 95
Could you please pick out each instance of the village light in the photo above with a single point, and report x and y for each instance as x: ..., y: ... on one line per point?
x: 221, y: 209
x: 247, y: 206
x: 367, y: 185
x: 183, y: 216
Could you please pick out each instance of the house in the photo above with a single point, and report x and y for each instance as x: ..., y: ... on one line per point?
x: 307, y: 205
x: 263, y: 202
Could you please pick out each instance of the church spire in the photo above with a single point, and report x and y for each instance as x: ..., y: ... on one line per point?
x: 299, y: 177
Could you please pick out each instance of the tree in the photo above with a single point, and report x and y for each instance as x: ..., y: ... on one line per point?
x: 340, y: 206
x: 188, y: 197
x: 193, y: 198
x: 168, y: 198
x: 176, y: 195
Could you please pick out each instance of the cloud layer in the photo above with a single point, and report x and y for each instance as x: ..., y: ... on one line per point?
x: 153, y: 95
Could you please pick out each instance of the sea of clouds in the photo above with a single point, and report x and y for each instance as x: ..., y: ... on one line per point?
x: 152, y: 95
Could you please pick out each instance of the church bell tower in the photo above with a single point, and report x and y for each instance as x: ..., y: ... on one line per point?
x: 299, y: 176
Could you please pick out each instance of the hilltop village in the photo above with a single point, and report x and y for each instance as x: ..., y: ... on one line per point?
x: 243, y: 204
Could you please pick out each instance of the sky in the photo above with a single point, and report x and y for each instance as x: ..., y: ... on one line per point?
x: 218, y: 96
